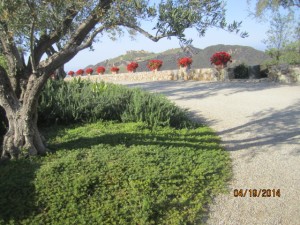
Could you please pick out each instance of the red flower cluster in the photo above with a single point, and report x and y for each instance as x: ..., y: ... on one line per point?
x: 185, y: 61
x: 71, y: 73
x: 132, y: 66
x: 89, y: 71
x: 80, y: 72
x: 100, y: 69
x: 154, y: 64
x: 114, y: 69
x: 220, y: 58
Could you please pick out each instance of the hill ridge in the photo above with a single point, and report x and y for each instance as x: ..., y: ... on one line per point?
x: 240, y: 54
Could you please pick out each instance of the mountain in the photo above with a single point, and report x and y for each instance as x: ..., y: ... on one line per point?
x: 240, y: 54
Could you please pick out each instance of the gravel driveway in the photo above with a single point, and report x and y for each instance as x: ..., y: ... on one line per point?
x: 259, y: 123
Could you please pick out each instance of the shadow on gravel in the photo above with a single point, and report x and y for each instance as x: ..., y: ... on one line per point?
x: 272, y: 127
x: 267, y: 128
x: 198, y: 117
x: 186, y: 90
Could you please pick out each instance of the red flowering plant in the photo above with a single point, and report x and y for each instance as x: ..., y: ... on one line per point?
x: 114, y: 69
x: 184, y: 62
x: 71, y: 73
x: 100, y: 70
x: 80, y: 72
x: 154, y: 64
x: 132, y: 66
x: 89, y: 71
x: 220, y: 58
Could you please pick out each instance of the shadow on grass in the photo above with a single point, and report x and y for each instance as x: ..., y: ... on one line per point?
x: 17, y: 195
x: 194, y: 139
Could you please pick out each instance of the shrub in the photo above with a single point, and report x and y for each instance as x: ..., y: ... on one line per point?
x: 89, y: 71
x: 241, y: 71
x: 220, y: 58
x: 101, y: 70
x: 71, y: 73
x: 81, y: 101
x: 84, y: 101
x: 114, y: 69
x: 132, y: 66
x: 155, y: 110
x: 154, y: 64
x: 80, y: 72
x: 186, y: 61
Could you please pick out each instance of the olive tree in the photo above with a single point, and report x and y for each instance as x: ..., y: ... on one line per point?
x: 39, y: 36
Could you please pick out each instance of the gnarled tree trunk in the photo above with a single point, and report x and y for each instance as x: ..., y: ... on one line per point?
x: 23, y: 137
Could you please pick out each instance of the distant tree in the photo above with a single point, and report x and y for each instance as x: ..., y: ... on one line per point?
x: 291, y: 53
x: 52, y: 32
x: 280, y: 36
x: 282, y: 40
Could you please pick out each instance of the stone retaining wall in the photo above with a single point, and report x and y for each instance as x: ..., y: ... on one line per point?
x: 196, y: 74
x: 282, y: 73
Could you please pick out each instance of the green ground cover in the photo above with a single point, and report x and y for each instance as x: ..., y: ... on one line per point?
x: 116, y: 173
x: 129, y: 157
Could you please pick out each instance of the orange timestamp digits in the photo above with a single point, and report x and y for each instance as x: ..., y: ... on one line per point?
x: 256, y: 193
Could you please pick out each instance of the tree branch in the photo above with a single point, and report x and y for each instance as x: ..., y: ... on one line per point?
x: 74, y: 45
x: 8, y: 99
x: 32, y: 40
x: 145, y: 33
x: 68, y: 52
x: 78, y: 40
x: 11, y: 52
x: 88, y: 25
x: 293, y: 3
x: 48, y: 40
x: 15, y: 59
x: 90, y: 39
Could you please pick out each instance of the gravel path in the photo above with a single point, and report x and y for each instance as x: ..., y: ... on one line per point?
x: 259, y: 123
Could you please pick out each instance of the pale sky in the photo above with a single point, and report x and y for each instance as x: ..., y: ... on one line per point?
x: 236, y: 10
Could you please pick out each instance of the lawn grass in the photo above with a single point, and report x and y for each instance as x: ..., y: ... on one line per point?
x: 116, y: 173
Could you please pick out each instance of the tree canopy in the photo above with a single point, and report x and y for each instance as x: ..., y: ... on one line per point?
x: 38, y: 26
x: 281, y: 37
x: 39, y: 36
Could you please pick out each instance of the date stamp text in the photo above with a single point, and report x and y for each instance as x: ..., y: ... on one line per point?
x: 265, y: 193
